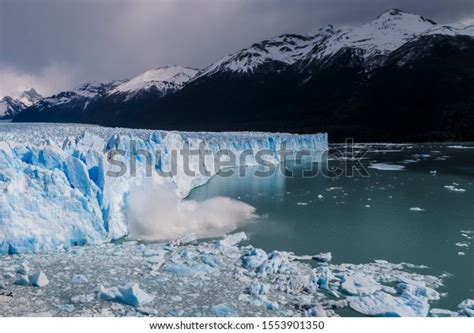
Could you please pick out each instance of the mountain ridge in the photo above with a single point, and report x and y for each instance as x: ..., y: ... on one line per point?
x: 302, y: 83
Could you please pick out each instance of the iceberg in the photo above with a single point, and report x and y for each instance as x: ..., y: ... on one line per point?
x: 387, y: 167
x: 466, y: 308
x: 222, y: 310
x: 130, y: 294
x: 62, y: 185
x: 38, y: 279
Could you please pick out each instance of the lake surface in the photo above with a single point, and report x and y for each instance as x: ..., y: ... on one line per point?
x: 400, y: 216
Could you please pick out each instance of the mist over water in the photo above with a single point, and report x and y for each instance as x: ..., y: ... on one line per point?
x: 157, y: 213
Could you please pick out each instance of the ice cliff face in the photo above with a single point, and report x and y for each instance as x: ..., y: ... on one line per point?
x: 55, y: 191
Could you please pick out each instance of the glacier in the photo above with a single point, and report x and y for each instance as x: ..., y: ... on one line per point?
x: 56, y: 191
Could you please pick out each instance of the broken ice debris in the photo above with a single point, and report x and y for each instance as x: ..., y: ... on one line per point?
x: 323, y: 257
x: 79, y: 279
x: 23, y: 269
x: 417, y: 209
x: 222, y: 310
x: 466, y: 308
x: 442, y: 313
x: 454, y: 188
x: 359, y: 284
x: 130, y: 294
x: 185, y: 270
x: 38, y: 279
x: 234, y: 239
x: 387, y: 167
x: 385, y: 305
x: 22, y: 280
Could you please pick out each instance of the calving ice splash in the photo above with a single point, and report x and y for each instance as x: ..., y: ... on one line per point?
x: 59, y: 189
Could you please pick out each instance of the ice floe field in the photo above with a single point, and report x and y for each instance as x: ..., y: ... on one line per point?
x: 397, y: 243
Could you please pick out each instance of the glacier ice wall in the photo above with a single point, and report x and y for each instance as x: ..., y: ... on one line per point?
x: 55, y: 190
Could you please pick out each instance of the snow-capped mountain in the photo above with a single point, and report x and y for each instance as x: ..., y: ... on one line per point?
x: 29, y: 97
x: 282, y: 50
x: 10, y: 107
x: 163, y: 80
x: 85, y: 93
x: 336, y: 80
x: 386, y: 33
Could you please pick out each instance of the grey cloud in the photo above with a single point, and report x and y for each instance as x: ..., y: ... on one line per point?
x: 114, y: 39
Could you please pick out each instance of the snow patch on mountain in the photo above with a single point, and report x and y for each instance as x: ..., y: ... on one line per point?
x: 82, y: 94
x: 164, y: 79
x: 286, y: 49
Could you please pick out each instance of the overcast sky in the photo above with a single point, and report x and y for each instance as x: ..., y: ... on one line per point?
x: 58, y: 44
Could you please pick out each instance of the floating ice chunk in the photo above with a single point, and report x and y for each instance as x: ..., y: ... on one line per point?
x: 254, y: 258
x: 83, y: 298
x: 185, y: 239
x: 434, y: 172
x: 153, y: 252
x: 23, y: 269
x: 460, y: 147
x: 320, y: 196
x: 302, y: 203
x: 442, y: 313
x: 386, y: 305
x: 460, y: 253
x: 22, y: 280
x: 417, y: 209
x: 418, y: 289
x: 185, y: 270
x: 2, y: 284
x: 79, y: 279
x: 316, y: 311
x: 273, y: 306
x: 462, y: 244
x: 454, y: 188
x: 38, y: 279
x: 322, y: 277
x: 67, y: 307
x: 277, y: 263
x: 387, y: 167
x: 134, y: 296
x: 8, y: 275
x: 212, y: 260
x: 130, y: 294
x: 367, y: 206
x: 109, y: 294
x: 258, y: 288
x: 223, y: 310
x: 359, y: 284
x: 234, y: 239
x: 323, y: 257
x: 466, y: 308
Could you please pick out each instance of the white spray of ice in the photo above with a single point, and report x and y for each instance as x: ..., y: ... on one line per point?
x: 157, y: 213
